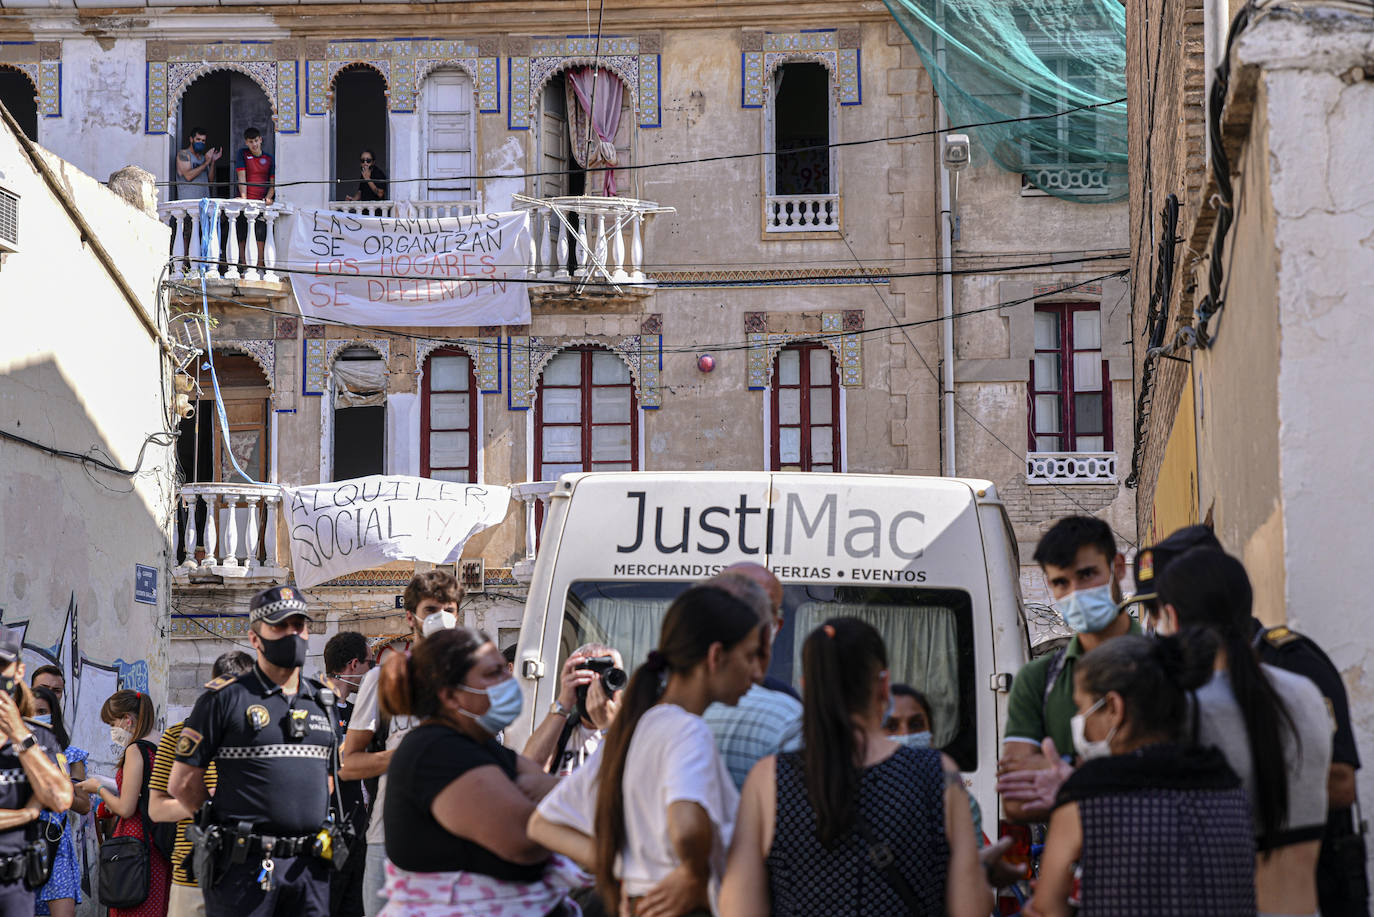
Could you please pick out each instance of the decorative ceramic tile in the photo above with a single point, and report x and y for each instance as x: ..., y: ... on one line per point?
x: 622, y: 55
x: 836, y: 49
x: 316, y: 365
x: 812, y: 276
x: 759, y: 366
x: 1094, y: 289
x: 174, y: 66
x: 403, y: 63
x: 334, y: 346
x: 41, y: 62
x: 651, y: 324
x: 286, y: 329
x: 489, y: 365
x: 518, y: 373
x: 314, y: 331
x: 650, y: 371
x: 847, y: 348
x: 207, y: 626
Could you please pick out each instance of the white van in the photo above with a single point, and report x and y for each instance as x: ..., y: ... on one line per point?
x: 930, y: 562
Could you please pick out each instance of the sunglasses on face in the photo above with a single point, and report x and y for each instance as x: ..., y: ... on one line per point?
x: 367, y: 162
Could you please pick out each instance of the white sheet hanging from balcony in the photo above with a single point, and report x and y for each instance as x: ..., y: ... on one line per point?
x: 359, y: 383
x: 411, y: 272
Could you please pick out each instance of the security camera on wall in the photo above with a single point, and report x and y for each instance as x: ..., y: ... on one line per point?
x: 955, y: 153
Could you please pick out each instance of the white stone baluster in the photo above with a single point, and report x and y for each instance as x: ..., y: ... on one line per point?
x: 270, y: 247
x: 534, y: 270
x: 560, y: 271
x: 251, y: 532
x: 601, y: 243
x: 211, y: 543
x: 231, y: 531
x: 618, y: 222
x: 188, y: 538
x: 254, y: 213
x: 637, y: 247
x: 232, y: 211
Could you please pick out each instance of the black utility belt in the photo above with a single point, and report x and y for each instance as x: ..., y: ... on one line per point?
x: 241, y: 846
x: 12, y: 866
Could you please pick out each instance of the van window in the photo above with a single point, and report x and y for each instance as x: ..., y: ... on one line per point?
x: 928, y: 633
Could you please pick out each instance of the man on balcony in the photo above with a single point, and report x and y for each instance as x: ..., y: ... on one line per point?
x: 371, y: 182
x: 256, y: 174
x: 195, y: 165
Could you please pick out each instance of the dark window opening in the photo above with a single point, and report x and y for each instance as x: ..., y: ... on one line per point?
x: 223, y: 104
x: 801, y: 122
x: 359, y: 380
x: 360, y: 123
x: 18, y: 95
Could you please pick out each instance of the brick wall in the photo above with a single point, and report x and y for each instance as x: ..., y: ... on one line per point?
x: 1166, y: 84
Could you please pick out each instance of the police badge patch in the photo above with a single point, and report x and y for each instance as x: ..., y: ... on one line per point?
x: 258, y: 716
x: 189, y: 741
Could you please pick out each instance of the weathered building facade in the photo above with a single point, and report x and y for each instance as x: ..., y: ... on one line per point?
x: 810, y: 278
x: 1251, y: 217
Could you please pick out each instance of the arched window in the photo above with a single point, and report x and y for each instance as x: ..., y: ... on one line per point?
x: 448, y: 419
x: 17, y: 93
x: 805, y: 434
x: 223, y: 104
x: 360, y: 124
x: 586, y: 415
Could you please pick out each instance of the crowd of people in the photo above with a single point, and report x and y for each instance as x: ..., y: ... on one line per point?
x: 1180, y: 761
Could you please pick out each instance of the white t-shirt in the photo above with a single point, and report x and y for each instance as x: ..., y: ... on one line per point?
x: 1222, y: 724
x: 364, y: 719
x: 672, y: 758
x: 582, y: 744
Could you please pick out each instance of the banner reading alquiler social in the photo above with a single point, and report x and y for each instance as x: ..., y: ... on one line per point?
x: 402, y: 271
x: 346, y: 526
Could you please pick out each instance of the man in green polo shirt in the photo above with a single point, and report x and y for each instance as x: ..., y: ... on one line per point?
x: 1083, y: 569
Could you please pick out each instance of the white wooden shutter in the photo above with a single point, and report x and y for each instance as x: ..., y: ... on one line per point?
x: 448, y: 136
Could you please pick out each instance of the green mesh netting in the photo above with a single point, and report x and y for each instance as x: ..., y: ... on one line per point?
x: 1020, y: 58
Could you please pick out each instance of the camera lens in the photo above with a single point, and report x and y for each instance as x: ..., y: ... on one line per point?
x: 614, y: 680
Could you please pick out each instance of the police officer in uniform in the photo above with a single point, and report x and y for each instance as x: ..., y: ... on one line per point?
x: 1342, y: 884
x: 271, y: 734
x: 33, y: 777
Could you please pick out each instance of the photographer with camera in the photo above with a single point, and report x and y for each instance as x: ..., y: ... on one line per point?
x: 592, y: 680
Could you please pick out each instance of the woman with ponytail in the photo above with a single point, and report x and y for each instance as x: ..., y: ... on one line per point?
x: 651, y: 812
x: 1272, y: 725
x: 1157, y: 825
x: 458, y: 800
x: 812, y: 823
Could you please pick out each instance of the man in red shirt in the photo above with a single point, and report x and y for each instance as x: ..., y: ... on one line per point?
x: 256, y: 172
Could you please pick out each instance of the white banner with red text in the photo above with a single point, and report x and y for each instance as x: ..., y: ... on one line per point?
x: 411, y: 271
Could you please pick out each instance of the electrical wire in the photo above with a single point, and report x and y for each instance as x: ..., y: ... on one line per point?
x: 88, y: 458
x: 723, y: 157
x: 695, y: 347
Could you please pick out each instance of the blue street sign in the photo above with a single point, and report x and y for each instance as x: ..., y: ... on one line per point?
x: 145, y: 584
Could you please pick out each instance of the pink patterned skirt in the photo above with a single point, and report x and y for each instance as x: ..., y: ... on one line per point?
x: 471, y: 894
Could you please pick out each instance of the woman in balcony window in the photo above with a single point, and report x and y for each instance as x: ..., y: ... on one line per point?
x: 372, y: 184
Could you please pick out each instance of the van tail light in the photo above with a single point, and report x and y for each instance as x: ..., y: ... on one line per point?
x: 1009, y: 900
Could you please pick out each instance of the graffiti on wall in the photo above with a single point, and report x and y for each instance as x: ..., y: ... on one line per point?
x: 89, y: 682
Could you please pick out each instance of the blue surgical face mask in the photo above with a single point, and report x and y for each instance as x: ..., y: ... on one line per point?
x: 506, y: 704
x: 44, y: 718
x: 913, y: 740
x: 198, y: 146
x: 1089, y: 611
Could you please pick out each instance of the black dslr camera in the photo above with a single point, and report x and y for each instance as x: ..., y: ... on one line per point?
x: 613, y: 678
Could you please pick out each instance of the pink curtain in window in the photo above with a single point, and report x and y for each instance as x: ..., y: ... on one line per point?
x: 606, y: 92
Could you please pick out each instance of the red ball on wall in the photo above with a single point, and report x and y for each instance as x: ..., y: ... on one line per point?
x: 706, y: 362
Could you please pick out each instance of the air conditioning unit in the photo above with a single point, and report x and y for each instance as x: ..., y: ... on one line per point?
x: 9, y: 221
x: 474, y: 576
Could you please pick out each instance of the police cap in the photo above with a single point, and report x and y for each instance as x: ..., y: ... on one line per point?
x: 276, y: 604
x: 1150, y: 562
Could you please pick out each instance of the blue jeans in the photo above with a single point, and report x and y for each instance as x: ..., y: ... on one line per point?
x: 374, y: 879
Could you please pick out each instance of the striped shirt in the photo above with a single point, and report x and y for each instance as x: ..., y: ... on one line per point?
x: 162, y: 770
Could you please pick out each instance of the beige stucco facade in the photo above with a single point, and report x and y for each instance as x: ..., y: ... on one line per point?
x: 727, y: 285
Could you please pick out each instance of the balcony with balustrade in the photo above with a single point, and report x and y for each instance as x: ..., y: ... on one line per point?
x: 234, y: 256
x: 590, y: 245
x: 227, y: 533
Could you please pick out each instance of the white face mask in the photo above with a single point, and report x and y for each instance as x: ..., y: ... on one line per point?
x: 120, y: 736
x: 1088, y: 750
x: 436, y: 621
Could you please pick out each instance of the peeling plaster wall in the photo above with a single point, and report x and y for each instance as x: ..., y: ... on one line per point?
x: 79, y: 372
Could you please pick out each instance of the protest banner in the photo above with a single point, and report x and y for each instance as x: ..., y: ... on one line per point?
x: 402, y: 271
x: 346, y: 526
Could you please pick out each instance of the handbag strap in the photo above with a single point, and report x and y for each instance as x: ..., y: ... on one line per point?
x: 146, y: 750
x: 880, y: 855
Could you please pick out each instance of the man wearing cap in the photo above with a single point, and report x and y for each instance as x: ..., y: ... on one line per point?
x: 270, y: 733
x: 35, y: 778
x: 1083, y: 570
x: 1342, y: 883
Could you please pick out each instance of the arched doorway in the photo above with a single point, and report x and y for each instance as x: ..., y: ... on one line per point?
x: 20, y: 96
x: 360, y: 123
x: 358, y: 380
x: 224, y: 104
